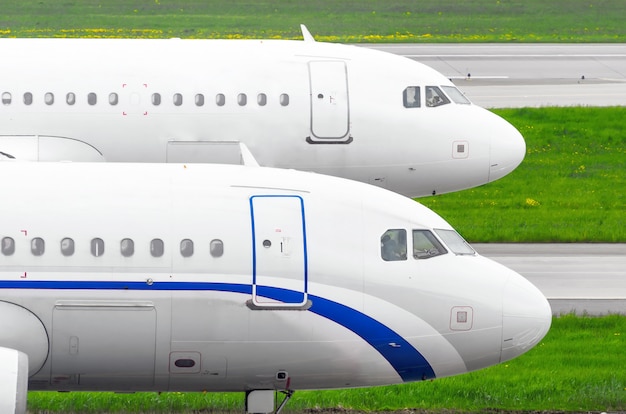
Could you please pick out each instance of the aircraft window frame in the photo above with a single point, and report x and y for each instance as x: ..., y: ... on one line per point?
x: 393, y: 245
x: 415, y: 101
x: 186, y: 247
x: 7, y: 98
x: 8, y: 246
x: 455, y: 242
x: 177, y: 99
x: 37, y: 246
x: 427, y: 246
x: 220, y: 99
x: 438, y: 99
x: 67, y: 246
x: 261, y: 99
x: 242, y: 99
x: 70, y: 98
x: 456, y: 95
x: 284, y: 99
x: 155, y: 99
x: 97, y: 247
x: 216, y: 248
x: 157, y: 248
x: 48, y: 98
x: 92, y: 98
x: 127, y: 247
x: 199, y: 99
x: 113, y: 98
x: 28, y: 98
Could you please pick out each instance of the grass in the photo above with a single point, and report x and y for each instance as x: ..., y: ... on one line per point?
x: 329, y: 20
x: 577, y: 367
x: 570, y: 187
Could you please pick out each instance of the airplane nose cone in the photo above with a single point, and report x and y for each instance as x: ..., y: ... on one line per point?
x: 526, y: 317
x: 507, y: 147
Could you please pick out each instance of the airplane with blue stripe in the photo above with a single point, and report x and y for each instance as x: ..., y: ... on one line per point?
x: 205, y: 277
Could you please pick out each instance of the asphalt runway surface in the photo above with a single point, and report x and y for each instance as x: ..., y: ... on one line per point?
x: 581, y: 278
x: 528, y: 75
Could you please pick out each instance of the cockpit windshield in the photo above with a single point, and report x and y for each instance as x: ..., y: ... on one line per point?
x: 426, y: 245
x: 394, y: 244
x: 456, y: 95
x: 455, y: 242
x: 435, y: 97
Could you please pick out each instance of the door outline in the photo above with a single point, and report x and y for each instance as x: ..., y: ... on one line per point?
x: 329, y: 103
x: 267, y: 290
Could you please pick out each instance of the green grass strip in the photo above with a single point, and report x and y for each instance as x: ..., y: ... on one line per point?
x: 328, y: 20
x: 571, y: 187
x: 578, y: 367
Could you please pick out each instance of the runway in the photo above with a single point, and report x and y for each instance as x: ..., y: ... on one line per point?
x: 528, y: 75
x: 581, y: 278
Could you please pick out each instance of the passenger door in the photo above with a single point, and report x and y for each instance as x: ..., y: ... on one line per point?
x: 279, y: 275
x: 330, y: 109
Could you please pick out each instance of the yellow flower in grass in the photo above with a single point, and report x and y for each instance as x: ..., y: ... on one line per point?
x: 532, y: 202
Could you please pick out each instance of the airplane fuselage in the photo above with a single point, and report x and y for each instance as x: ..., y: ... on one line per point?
x: 334, y: 109
x: 224, y: 278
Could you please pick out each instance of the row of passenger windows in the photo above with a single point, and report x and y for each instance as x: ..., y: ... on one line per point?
x: 435, y: 96
x: 156, y: 99
x: 126, y: 247
x: 394, y: 246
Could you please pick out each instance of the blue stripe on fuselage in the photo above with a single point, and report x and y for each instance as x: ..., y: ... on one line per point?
x: 403, y: 357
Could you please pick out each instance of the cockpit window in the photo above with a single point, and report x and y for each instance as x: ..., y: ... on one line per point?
x: 393, y: 245
x: 455, y: 242
x: 411, y: 97
x: 435, y: 97
x: 456, y: 95
x: 426, y: 245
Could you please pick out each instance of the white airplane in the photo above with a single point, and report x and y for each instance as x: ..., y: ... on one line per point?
x: 200, y: 277
x: 341, y: 110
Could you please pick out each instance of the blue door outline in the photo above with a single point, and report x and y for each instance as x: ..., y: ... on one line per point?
x: 279, y: 251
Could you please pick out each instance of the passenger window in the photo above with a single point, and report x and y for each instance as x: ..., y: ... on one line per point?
x: 284, y: 99
x: 37, y: 246
x: 456, y: 95
x: 92, y: 98
x: 186, y: 248
x: 70, y: 98
x: 217, y: 248
x: 8, y: 246
x: 67, y: 247
x: 157, y: 248
x: 242, y: 99
x: 48, y: 98
x: 434, y: 97
x: 455, y: 242
x: 178, y: 99
x: 426, y: 245
x: 199, y: 99
x: 127, y: 247
x: 6, y: 98
x: 97, y: 247
x: 220, y: 99
x: 393, y: 245
x: 156, y: 99
x: 261, y: 99
x: 411, y: 97
x: 113, y: 99
x: 28, y: 98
